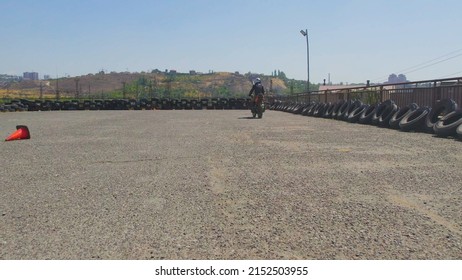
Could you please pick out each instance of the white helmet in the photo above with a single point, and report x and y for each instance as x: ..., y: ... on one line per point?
x: 257, y: 80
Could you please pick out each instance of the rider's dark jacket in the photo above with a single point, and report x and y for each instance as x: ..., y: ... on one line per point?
x: 258, y: 89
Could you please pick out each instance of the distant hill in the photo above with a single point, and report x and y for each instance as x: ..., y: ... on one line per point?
x: 144, y: 85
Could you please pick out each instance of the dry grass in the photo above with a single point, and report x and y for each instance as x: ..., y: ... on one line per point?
x: 110, y: 85
x: 6, y: 94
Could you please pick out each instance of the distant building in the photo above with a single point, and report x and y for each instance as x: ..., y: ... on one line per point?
x: 6, y: 79
x: 30, y: 76
x: 192, y: 72
x: 46, y: 77
x: 395, y: 79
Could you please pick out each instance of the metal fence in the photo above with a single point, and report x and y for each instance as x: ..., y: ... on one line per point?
x: 424, y: 93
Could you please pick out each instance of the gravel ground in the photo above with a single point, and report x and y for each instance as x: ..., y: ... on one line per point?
x: 217, y: 185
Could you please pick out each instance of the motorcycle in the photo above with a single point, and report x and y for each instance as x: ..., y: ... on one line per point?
x: 258, y: 107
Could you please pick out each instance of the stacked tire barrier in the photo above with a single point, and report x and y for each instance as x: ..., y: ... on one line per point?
x: 444, y: 119
x: 127, y: 104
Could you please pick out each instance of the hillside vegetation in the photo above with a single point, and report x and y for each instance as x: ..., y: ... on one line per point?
x: 149, y: 85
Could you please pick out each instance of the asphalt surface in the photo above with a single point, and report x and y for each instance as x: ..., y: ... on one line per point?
x: 218, y: 185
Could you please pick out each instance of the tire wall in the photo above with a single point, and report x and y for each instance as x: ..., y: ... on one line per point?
x: 410, y: 118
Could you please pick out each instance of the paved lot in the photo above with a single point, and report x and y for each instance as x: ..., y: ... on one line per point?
x: 217, y: 185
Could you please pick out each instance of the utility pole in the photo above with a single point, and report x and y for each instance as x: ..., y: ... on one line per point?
x: 57, y: 88
x: 76, y: 87
x: 123, y: 89
x: 155, y: 85
x: 169, y: 86
x: 41, y: 91
x: 305, y: 33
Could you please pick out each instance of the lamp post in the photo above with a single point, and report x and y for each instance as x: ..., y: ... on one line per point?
x: 305, y: 33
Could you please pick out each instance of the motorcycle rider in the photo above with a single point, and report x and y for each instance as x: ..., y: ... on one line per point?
x: 257, y: 89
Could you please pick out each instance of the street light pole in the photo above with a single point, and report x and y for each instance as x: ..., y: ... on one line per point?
x: 305, y: 33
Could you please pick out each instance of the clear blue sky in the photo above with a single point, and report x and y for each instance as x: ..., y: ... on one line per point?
x: 352, y: 40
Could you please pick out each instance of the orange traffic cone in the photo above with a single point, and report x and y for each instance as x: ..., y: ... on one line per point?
x: 22, y: 132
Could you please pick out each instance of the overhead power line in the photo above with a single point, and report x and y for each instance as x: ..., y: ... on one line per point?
x: 451, y: 75
x: 425, y: 64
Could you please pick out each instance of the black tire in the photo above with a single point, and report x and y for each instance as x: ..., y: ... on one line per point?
x: 329, y: 110
x: 166, y: 104
x: 441, y: 108
x: 319, y: 112
x: 259, y: 110
x: 447, y: 126
x: 313, y: 109
x: 366, y: 116
x: 384, y: 119
x: 383, y: 108
x: 291, y: 108
x: 298, y: 109
x: 316, y: 110
x: 282, y: 106
x: 459, y: 131
x: 294, y: 109
x: 399, y: 115
x: 354, y: 116
x: 342, y: 110
x: 306, y: 108
x: 247, y: 103
x: 353, y: 105
x: 336, y: 108
x: 415, y: 120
